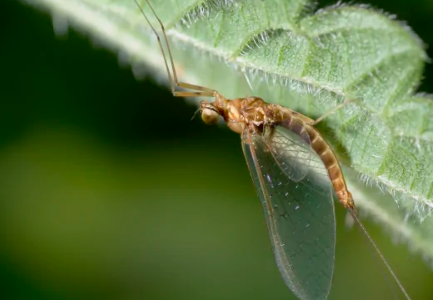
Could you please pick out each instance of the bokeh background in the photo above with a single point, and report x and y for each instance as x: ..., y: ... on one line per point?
x: 109, y: 191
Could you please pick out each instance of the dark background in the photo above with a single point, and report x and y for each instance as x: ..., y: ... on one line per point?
x: 108, y: 190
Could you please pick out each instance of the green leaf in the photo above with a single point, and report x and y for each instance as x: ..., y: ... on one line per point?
x: 308, y: 61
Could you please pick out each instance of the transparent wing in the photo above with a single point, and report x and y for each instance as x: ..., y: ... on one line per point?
x: 299, y: 215
x: 293, y: 155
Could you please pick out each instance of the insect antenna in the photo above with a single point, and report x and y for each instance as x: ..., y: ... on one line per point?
x: 378, y: 253
x: 197, y: 90
x: 195, y: 114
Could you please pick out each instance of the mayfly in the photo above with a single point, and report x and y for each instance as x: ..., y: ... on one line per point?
x: 296, y: 174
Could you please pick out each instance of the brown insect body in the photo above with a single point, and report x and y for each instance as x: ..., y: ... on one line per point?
x: 255, y: 113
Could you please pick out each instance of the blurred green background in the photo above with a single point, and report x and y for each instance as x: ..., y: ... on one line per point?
x: 109, y: 191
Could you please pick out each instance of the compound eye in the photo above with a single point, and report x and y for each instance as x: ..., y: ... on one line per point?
x: 209, y: 116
